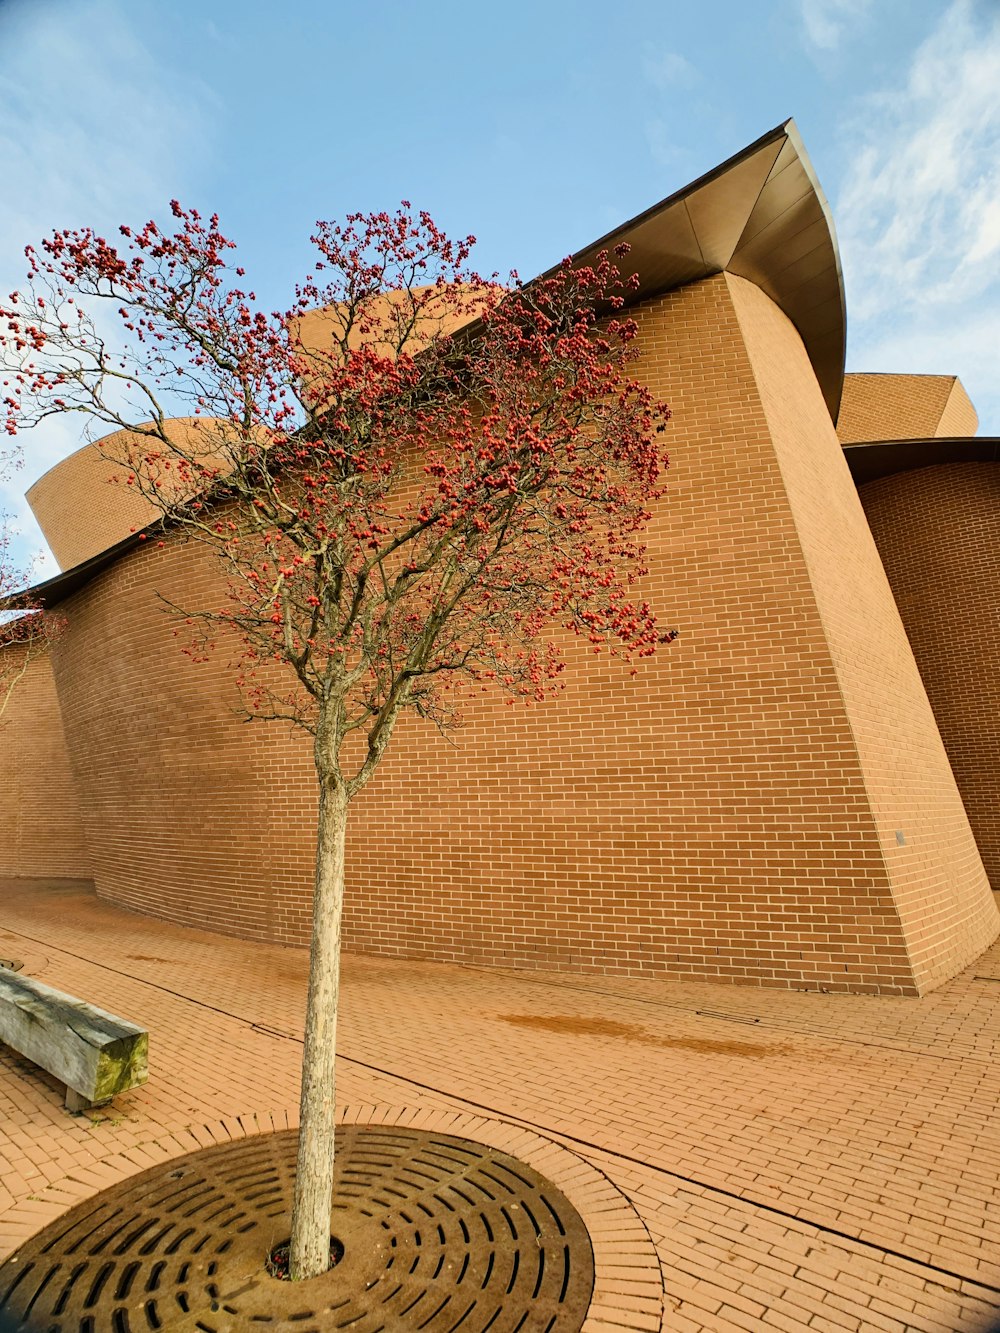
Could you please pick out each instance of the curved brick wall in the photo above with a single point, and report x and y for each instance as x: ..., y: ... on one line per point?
x: 190, y: 814
x: 938, y: 533
x: 316, y: 329
x: 932, y: 865
x: 41, y: 834
x: 716, y: 817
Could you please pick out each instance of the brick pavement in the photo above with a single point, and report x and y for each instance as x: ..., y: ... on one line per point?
x: 800, y: 1160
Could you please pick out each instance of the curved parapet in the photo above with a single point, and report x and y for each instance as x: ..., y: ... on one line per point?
x: 761, y: 215
x: 904, y: 407
x: 418, y: 315
x: 84, y: 504
x: 885, y: 458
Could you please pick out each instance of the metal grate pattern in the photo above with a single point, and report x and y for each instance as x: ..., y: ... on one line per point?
x: 440, y: 1234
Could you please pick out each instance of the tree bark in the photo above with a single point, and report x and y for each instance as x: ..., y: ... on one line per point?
x: 310, y: 1243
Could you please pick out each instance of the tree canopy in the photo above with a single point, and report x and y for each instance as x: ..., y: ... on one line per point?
x: 417, y: 480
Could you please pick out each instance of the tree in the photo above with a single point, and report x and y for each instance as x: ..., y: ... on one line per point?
x: 25, y: 630
x: 411, y: 476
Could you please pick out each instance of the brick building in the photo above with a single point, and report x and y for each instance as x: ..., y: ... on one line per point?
x: 801, y: 791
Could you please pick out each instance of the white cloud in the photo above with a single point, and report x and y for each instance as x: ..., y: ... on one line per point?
x: 668, y: 71
x: 673, y: 76
x: 827, y: 21
x: 919, y: 212
x: 93, y: 131
x: 967, y: 348
x: 664, y: 147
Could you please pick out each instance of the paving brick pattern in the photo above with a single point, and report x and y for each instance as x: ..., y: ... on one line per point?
x: 799, y: 1160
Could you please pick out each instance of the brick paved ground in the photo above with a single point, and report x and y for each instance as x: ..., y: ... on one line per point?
x: 813, y: 1161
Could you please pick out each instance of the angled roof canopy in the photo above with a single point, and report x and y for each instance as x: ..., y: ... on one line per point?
x: 762, y: 215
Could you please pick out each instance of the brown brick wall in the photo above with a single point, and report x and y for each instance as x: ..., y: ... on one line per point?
x: 41, y: 833
x: 710, y: 818
x: 904, y: 407
x: 936, y: 875
x: 938, y: 533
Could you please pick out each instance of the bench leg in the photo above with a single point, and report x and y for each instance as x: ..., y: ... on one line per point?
x: 76, y: 1102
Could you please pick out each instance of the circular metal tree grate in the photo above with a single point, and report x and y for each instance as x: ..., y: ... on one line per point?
x: 439, y: 1234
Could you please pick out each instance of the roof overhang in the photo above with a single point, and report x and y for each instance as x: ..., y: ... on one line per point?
x: 884, y: 458
x: 56, y: 589
x: 761, y: 215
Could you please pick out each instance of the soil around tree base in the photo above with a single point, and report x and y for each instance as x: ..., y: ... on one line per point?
x: 279, y: 1260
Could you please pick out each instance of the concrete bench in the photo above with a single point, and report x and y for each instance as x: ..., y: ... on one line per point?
x: 95, y: 1054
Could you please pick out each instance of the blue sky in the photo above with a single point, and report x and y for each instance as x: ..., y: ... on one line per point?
x: 538, y: 126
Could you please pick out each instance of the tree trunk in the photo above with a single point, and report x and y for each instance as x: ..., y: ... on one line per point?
x: 310, y: 1246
